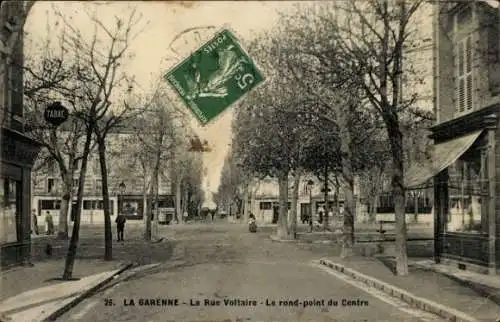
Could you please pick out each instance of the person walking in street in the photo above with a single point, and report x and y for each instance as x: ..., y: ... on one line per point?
x: 35, y: 221
x: 120, y: 226
x: 50, y: 223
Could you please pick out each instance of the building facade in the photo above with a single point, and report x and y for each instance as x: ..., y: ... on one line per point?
x: 465, y: 152
x: 18, y: 150
x: 264, y: 200
x: 125, y: 182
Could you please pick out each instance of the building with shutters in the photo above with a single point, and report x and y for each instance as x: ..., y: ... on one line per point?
x: 466, y: 155
x: 264, y: 200
x: 130, y: 200
x: 18, y: 150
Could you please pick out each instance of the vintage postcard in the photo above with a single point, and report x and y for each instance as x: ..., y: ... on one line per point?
x: 250, y: 161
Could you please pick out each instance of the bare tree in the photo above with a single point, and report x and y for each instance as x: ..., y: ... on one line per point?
x: 50, y: 76
x: 159, y: 132
x: 368, y: 39
x: 104, y: 56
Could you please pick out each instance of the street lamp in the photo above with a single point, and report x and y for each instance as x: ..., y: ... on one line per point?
x: 310, y: 184
x: 121, y: 188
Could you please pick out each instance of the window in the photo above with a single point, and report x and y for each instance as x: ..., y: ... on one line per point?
x: 50, y: 185
x: 463, y: 63
x: 51, y: 166
x: 10, y: 194
x: 50, y: 204
x: 96, y: 166
x: 464, y: 28
x: 98, y: 184
x: 88, y: 205
x: 466, y: 212
x: 265, y: 206
x: 463, y: 18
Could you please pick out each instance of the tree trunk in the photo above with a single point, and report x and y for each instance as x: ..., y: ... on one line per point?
x: 293, y: 211
x: 67, y: 197
x: 349, y: 211
x: 108, y: 234
x: 73, y: 244
x: 415, y: 203
x: 348, y: 176
x: 396, y: 142
x: 185, y: 202
x: 373, y: 209
x: 147, y: 214
x: 178, y: 199
x: 246, y: 196
x: 336, y: 210
x: 326, y: 224
x: 282, y: 232
x: 157, y: 207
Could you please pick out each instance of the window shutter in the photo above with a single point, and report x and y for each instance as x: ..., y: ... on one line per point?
x: 464, y: 78
x: 460, y: 55
x: 468, y: 54
x: 469, y: 91
x: 461, y: 94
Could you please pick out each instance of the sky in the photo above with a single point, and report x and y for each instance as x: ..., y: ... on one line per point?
x: 153, y: 47
x: 155, y: 53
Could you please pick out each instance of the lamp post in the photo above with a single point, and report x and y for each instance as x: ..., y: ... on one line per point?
x: 310, y: 185
x: 121, y: 188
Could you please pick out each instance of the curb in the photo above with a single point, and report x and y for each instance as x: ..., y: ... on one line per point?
x: 303, y: 242
x: 67, y: 306
x: 415, y: 301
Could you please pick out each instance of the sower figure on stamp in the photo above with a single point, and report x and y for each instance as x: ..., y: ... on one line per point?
x: 120, y: 226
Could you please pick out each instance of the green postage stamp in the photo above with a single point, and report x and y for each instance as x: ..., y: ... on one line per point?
x: 215, y: 76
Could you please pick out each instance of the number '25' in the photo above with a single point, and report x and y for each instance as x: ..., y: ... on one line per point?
x: 245, y: 80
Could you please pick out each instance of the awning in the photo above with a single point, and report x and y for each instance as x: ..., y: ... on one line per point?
x: 443, y: 155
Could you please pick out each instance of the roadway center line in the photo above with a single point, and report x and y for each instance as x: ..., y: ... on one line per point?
x: 399, y: 304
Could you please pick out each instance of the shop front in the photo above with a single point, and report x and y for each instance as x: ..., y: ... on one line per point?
x: 18, y: 154
x: 463, y: 170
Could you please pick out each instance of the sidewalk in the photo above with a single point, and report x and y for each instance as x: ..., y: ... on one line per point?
x: 33, y: 293
x: 42, y: 295
x: 42, y: 274
x: 423, y: 288
x: 486, y: 285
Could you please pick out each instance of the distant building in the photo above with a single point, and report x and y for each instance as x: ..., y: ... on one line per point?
x: 18, y: 151
x: 47, y: 188
x: 264, y: 200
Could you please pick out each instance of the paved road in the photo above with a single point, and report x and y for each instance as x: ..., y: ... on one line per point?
x: 220, y: 272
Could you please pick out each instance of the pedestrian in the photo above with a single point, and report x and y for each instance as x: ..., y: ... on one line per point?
x: 320, y: 215
x: 213, y: 214
x: 120, y: 226
x: 35, y: 221
x: 185, y: 216
x: 50, y: 223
